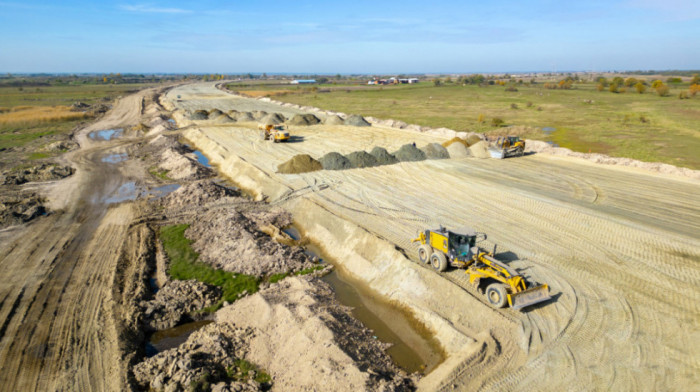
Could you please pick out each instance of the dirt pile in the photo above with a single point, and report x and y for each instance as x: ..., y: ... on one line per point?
x: 301, y: 163
x: 62, y: 146
x: 297, y: 323
x: 175, y: 303
x: 229, y: 240
x: 409, y: 153
x: 383, y: 157
x: 199, y: 115
x: 20, y: 208
x: 356, y: 121
x: 304, y: 120
x: 224, y: 119
x: 458, y: 150
x: 480, y: 150
x: 335, y: 161
x: 214, y: 113
x: 435, y: 151
x: 258, y: 114
x: 182, y: 167
x: 334, y: 120
x: 198, y: 193
x: 473, y: 138
x: 244, y: 117
x: 210, y: 356
x: 360, y: 159
x: 273, y: 118
x: 43, y: 172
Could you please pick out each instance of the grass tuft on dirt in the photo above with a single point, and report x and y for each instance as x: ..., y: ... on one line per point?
x: 184, y: 265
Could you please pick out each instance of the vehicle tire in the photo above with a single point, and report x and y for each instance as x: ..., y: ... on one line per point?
x: 424, y: 252
x: 496, y: 295
x: 438, y: 261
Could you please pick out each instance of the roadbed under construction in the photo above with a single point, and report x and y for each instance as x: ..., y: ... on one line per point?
x: 618, y: 247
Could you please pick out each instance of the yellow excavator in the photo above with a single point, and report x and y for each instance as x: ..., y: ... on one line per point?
x: 443, y: 248
x: 507, y: 146
x: 276, y: 133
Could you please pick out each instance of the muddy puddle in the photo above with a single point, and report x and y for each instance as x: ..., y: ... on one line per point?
x: 106, y: 134
x: 172, y: 337
x: 130, y: 191
x: 413, y: 348
x: 115, y: 158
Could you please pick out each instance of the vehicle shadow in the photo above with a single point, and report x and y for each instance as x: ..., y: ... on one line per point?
x: 295, y: 139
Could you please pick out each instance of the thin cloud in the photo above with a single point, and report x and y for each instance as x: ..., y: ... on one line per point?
x: 147, y: 8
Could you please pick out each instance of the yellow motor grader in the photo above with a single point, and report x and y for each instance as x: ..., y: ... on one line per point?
x: 443, y: 248
x: 276, y: 133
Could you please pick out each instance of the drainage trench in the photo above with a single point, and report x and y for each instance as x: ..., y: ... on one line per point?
x: 413, y: 348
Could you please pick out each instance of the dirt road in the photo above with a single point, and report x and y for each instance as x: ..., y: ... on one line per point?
x: 57, y: 331
x: 619, y: 248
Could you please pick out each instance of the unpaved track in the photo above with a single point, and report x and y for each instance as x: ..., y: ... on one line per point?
x: 57, y: 329
x: 619, y: 248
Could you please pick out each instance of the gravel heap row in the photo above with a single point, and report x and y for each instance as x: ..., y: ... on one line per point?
x: 232, y: 116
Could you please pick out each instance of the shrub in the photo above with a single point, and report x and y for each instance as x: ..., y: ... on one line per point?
x: 511, y: 89
x: 602, y: 80
x: 513, y: 105
x: 695, y: 79
x: 496, y: 122
x: 683, y: 95
x: 437, y: 82
x: 613, y: 88
x: 623, y: 90
x: 539, y: 108
x: 662, y: 90
x: 643, y: 119
x: 481, y: 119
x: 673, y: 80
x: 656, y: 83
x: 618, y: 80
x: 629, y: 82
x: 600, y: 87
x: 640, y: 88
x: 694, y: 89
x: 528, y: 104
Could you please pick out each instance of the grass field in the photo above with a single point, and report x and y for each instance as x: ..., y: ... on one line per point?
x: 640, y: 126
x: 37, y: 113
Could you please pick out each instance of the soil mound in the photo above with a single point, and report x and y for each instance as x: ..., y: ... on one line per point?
x: 20, y: 208
x: 435, y: 151
x: 356, y: 121
x: 182, y: 167
x: 224, y: 119
x: 300, y: 163
x: 203, y: 359
x: 455, y: 140
x: 473, y: 138
x: 273, y: 118
x: 232, y: 112
x: 304, y: 120
x: 458, y: 150
x: 334, y: 120
x: 43, y: 172
x: 63, y: 145
x: 298, y: 322
x: 244, y: 117
x: 215, y: 113
x: 480, y: 150
x: 229, y: 240
x: 335, y: 161
x: 175, y: 300
x: 258, y: 114
x: 409, y: 153
x: 198, y: 193
x: 383, y: 157
x: 361, y: 159
x: 199, y: 115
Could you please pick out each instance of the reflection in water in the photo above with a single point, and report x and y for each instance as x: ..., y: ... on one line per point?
x: 115, y: 158
x: 106, y: 134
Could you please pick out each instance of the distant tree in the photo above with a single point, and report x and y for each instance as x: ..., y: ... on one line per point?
x: 448, y: 80
x: 662, y: 90
x: 656, y: 83
x: 437, y: 82
x: 322, y: 80
x: 629, y: 82
x: 532, y: 81
x: 602, y: 80
x: 337, y: 76
x: 673, y: 80
x: 695, y: 80
x: 641, y: 88
x: 618, y: 80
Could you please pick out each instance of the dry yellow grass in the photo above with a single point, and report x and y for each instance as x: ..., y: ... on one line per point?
x: 38, y: 114
x: 264, y: 93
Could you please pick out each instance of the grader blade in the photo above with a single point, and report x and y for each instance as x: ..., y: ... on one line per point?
x: 529, y: 297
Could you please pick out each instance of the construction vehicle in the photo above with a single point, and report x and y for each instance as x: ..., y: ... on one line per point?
x: 443, y: 248
x: 276, y: 133
x: 507, y: 146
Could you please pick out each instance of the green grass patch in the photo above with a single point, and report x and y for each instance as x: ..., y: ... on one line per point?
x: 274, y: 278
x: 38, y: 155
x: 184, y: 266
x: 159, y: 173
x: 242, y: 371
x: 639, y: 126
x: 310, y: 270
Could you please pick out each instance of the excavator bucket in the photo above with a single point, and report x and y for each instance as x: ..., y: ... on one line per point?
x: 529, y: 297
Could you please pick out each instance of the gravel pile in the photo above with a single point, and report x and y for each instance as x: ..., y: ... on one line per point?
x: 356, y: 121
x: 480, y: 150
x: 409, y: 153
x: 273, y: 118
x: 335, y: 161
x: 458, y: 150
x: 199, y: 115
x: 435, y: 151
x: 244, y: 117
x: 360, y: 159
x: 301, y: 163
x: 258, y: 114
x: 223, y: 119
x: 383, y: 157
x: 198, y: 193
x: 334, y: 120
x: 175, y: 300
x: 215, y: 113
x: 473, y: 139
x: 304, y: 120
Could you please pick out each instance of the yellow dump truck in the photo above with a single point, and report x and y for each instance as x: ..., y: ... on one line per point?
x: 276, y: 133
x: 443, y: 248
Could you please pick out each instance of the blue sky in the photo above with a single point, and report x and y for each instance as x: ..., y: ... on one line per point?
x: 348, y: 37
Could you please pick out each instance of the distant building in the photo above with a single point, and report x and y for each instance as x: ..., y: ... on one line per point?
x: 303, y: 81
